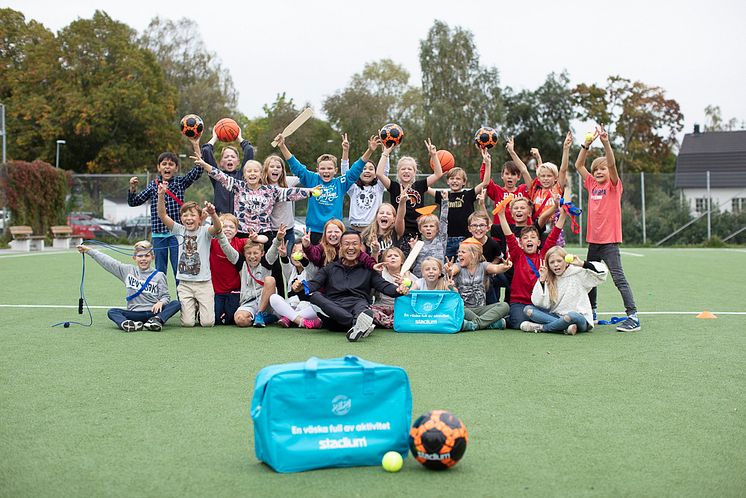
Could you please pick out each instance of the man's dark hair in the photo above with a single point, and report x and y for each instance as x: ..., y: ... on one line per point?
x: 352, y: 232
x: 168, y: 155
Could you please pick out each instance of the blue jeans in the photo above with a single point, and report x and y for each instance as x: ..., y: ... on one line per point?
x: 118, y: 315
x: 161, y: 247
x: 516, y: 315
x: 226, y: 304
x: 452, y: 246
x: 556, y: 323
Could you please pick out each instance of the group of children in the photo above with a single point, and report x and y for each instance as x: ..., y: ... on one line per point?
x: 246, y: 268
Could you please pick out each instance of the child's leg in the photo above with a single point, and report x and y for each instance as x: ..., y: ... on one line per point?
x: 233, y: 301
x: 539, y: 315
x: 612, y: 258
x: 483, y: 316
x: 452, y: 246
x: 245, y: 314
x: 268, y: 289
x: 160, y: 251
x: 282, y: 307
x: 594, y: 254
x: 173, y: 249
x: 219, y: 308
x: 168, y: 311
x: 516, y: 315
x: 188, y: 304
x: 117, y: 316
x: 383, y: 316
x: 205, y: 296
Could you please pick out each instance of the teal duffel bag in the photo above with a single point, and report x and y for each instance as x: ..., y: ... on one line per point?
x: 341, y: 412
x: 437, y: 312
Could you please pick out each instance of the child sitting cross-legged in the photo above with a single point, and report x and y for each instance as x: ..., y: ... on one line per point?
x: 149, y: 305
x: 560, y: 296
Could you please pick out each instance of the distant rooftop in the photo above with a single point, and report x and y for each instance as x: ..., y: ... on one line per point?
x: 722, y: 153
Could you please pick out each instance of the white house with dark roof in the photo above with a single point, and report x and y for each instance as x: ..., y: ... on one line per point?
x: 723, y: 155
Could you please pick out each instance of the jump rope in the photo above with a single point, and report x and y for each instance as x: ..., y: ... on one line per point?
x: 82, y: 302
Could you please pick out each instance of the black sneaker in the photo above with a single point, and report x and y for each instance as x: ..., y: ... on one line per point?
x: 631, y: 324
x: 362, y: 328
x: 154, y: 325
x: 131, y: 326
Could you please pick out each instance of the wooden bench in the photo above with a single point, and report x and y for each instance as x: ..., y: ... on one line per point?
x: 62, y: 237
x: 25, y: 240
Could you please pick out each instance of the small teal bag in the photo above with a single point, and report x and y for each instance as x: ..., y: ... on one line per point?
x: 341, y: 412
x: 437, y: 312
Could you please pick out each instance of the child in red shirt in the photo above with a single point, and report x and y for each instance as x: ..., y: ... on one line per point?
x: 526, y: 255
x: 512, y: 172
x: 605, y: 222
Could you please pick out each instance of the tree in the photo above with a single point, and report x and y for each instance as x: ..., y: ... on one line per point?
x: 644, y: 122
x: 204, y: 86
x: 459, y: 95
x: 714, y: 120
x: 540, y: 118
x: 378, y: 95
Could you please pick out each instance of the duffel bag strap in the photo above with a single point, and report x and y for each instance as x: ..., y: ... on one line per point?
x: 312, y: 365
x: 369, y: 374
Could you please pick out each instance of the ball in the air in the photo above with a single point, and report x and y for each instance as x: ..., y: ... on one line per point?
x: 191, y: 126
x: 392, y: 461
x: 569, y: 258
x: 391, y: 134
x: 227, y: 130
x: 485, y: 137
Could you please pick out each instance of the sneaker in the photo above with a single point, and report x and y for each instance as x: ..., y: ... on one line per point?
x: 595, y: 318
x: 572, y: 329
x: 311, y: 323
x: 284, y: 322
x: 631, y: 324
x: 362, y: 328
x: 131, y: 326
x: 531, y: 327
x: 154, y: 325
x: 468, y: 325
x: 259, y: 320
x: 499, y: 324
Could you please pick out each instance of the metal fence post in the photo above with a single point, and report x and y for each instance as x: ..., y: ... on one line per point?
x: 709, y: 208
x: 642, y: 196
x: 580, y: 206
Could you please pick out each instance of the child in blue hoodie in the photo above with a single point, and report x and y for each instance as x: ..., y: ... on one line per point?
x: 328, y: 204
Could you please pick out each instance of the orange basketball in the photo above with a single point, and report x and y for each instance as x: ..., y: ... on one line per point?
x: 227, y: 130
x: 446, y: 160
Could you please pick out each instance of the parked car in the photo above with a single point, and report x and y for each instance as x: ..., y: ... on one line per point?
x: 86, y: 226
x: 137, y: 228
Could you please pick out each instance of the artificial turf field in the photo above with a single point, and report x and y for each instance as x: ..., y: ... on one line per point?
x: 661, y: 412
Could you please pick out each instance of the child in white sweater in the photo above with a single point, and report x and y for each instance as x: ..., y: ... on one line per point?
x: 560, y: 295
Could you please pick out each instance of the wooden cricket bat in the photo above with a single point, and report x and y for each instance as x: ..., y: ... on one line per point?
x: 295, y: 124
x: 412, y: 256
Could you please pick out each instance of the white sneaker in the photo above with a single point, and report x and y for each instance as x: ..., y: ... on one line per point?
x: 531, y: 327
x: 362, y: 328
x: 131, y: 326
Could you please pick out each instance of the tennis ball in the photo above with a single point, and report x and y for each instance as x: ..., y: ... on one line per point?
x: 316, y: 192
x: 406, y: 283
x: 297, y: 256
x: 392, y: 462
x: 569, y: 258
x: 588, y: 137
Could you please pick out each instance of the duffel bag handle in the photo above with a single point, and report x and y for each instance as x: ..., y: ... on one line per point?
x: 312, y: 365
x: 430, y: 295
x: 368, y: 373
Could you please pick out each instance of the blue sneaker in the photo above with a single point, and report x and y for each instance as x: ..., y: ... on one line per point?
x: 595, y: 318
x: 468, y: 325
x: 631, y: 324
x: 499, y: 324
x: 259, y: 319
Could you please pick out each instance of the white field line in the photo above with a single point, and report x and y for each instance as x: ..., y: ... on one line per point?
x: 27, y: 254
x: 618, y: 313
x: 627, y: 253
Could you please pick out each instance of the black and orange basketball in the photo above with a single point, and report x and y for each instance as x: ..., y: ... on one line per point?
x: 446, y: 160
x: 485, y: 137
x: 438, y: 440
x: 191, y: 126
x: 227, y: 130
x: 391, y: 134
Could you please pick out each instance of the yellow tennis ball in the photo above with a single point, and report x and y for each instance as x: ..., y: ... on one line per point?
x: 588, y: 137
x: 569, y: 258
x: 297, y: 256
x: 406, y: 283
x: 316, y: 192
x: 392, y: 462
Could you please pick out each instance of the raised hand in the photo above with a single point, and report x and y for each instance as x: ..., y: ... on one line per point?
x: 542, y: 270
x: 602, y: 134
x: 162, y: 187
x: 82, y: 249
x: 448, y: 267
x: 510, y: 145
x: 281, y: 232
x: 133, y: 184
x: 280, y: 139
x: 590, y: 137
x: 345, y: 144
x: 535, y: 153
x: 373, y: 142
x: 431, y: 149
x: 283, y: 249
x: 306, y: 239
x: 568, y: 141
x: 201, y: 163
x: 210, y: 208
x: 486, y: 157
x: 297, y: 285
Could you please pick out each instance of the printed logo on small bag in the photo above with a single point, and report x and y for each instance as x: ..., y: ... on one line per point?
x: 341, y: 405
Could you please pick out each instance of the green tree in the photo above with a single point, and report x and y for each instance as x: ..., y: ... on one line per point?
x: 540, y: 118
x: 459, y: 95
x: 714, y: 120
x: 204, y: 86
x: 644, y: 122
x: 378, y: 95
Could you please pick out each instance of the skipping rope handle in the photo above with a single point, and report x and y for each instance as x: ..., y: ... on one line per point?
x: 80, y: 306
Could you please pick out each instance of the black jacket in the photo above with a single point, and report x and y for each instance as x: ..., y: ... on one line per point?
x: 340, y: 281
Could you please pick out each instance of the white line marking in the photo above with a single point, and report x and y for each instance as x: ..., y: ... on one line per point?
x: 627, y: 253
x: 27, y: 254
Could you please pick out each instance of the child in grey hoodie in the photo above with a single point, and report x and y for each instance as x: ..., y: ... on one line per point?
x: 149, y: 305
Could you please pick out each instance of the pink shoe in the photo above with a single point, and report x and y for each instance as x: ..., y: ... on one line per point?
x: 314, y: 323
x: 284, y: 322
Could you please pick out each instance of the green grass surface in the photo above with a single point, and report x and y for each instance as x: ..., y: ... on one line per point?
x: 96, y: 412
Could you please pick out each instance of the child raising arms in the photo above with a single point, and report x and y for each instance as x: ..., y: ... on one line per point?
x: 366, y: 194
x: 604, y: 233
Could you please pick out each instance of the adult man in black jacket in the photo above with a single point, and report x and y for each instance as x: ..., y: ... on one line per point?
x: 347, y: 285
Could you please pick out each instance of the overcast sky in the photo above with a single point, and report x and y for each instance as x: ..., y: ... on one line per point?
x: 695, y: 50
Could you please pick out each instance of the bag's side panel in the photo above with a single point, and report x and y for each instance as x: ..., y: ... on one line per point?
x: 429, y: 311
